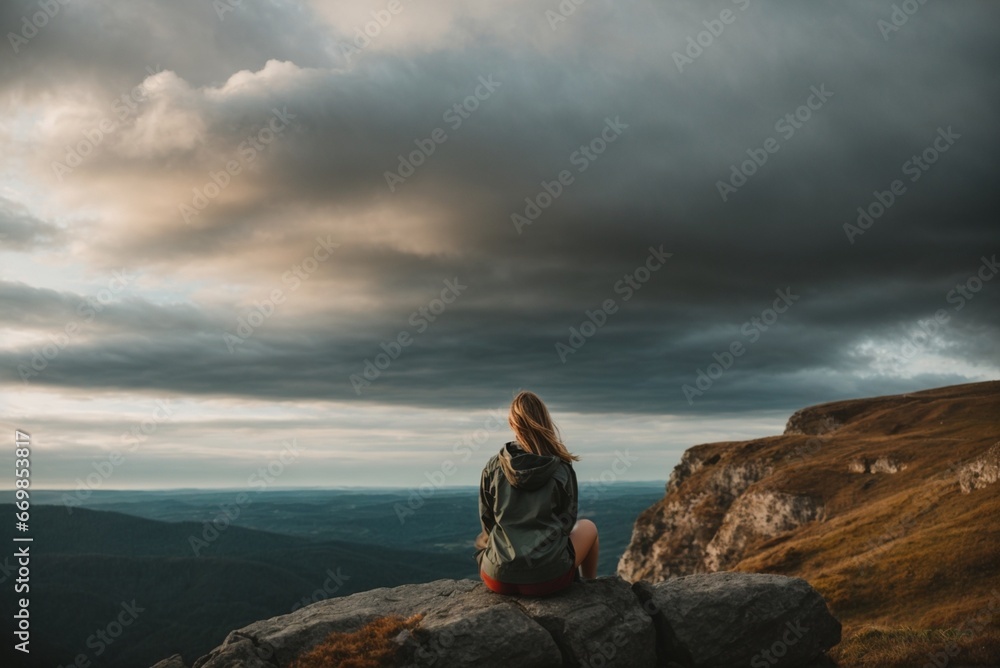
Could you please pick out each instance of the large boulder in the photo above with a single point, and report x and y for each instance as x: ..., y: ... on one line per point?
x: 723, y: 620
x: 596, y: 623
x: 717, y: 619
x: 464, y: 624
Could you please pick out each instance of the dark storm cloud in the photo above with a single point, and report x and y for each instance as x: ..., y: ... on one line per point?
x: 655, y: 185
x: 103, y: 309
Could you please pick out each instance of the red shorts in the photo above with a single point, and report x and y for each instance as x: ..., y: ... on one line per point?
x: 532, y: 589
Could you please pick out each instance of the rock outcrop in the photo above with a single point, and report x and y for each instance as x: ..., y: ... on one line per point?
x: 671, y: 539
x: 887, y: 464
x: 812, y: 422
x: 782, y: 620
x: 755, y: 516
x: 707, y: 525
x: 980, y: 472
x: 704, y: 621
x: 874, y: 501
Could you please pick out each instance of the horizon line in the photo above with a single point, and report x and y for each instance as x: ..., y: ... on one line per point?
x: 311, y: 488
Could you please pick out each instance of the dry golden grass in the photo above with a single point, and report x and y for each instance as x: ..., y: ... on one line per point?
x: 904, y: 560
x: 371, y: 646
x: 911, y: 648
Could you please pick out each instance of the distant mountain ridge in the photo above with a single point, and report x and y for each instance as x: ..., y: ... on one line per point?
x: 86, y: 565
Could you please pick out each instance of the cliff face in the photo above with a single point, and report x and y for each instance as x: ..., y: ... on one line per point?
x: 718, y: 503
x: 757, y: 515
x: 672, y: 538
x: 720, y: 620
x: 856, y: 496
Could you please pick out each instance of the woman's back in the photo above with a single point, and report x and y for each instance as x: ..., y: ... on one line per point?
x: 532, y: 513
x: 531, y: 542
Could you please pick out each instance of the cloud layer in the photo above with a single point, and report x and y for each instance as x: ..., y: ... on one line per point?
x: 265, y: 203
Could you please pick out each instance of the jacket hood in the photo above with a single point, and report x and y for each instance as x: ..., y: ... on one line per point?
x: 531, y: 471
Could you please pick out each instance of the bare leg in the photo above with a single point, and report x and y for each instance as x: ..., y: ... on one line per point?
x: 587, y: 547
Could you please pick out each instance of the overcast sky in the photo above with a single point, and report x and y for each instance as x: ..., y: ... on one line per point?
x: 217, y: 218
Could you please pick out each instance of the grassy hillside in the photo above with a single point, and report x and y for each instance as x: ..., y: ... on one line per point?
x: 907, y: 550
x: 907, y: 559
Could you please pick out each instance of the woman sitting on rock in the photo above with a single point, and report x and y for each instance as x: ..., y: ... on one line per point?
x: 531, y: 542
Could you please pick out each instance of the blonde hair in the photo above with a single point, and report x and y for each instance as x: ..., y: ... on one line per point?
x: 534, y: 429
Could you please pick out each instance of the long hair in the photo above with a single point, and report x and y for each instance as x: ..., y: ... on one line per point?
x: 534, y: 429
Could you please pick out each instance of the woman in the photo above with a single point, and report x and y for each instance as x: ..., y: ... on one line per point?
x: 531, y: 541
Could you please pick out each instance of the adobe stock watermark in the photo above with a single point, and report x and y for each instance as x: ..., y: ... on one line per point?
x: 915, y: 167
x: 420, y: 319
x: 247, y: 325
x: 30, y: 26
x: 876, y: 546
x: 564, y: 10
x: 246, y: 154
x: 544, y: 538
x: 599, y: 484
x: 970, y: 627
x: 432, y: 650
x: 365, y: 35
x: 626, y: 286
x: 966, y: 290
x: 714, y: 28
x: 752, y: 330
x: 454, y: 116
x: 260, y: 480
x: 600, y: 653
x: 123, y: 106
x: 108, y: 634
x: 223, y: 7
x: 899, y: 17
x: 582, y: 158
x: 438, y: 477
x: 567, y: 520
x: 772, y: 655
x: 88, y: 309
x: 105, y: 467
x: 813, y: 444
x: 331, y: 585
x: 963, y: 292
x: 786, y: 127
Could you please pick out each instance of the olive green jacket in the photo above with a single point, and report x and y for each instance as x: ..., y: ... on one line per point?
x: 526, y: 521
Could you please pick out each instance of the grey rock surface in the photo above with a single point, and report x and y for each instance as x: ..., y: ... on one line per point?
x: 597, y: 623
x: 715, y: 619
x: 723, y: 620
x: 175, y: 661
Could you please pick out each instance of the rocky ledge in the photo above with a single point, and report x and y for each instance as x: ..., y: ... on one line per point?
x: 712, y: 620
